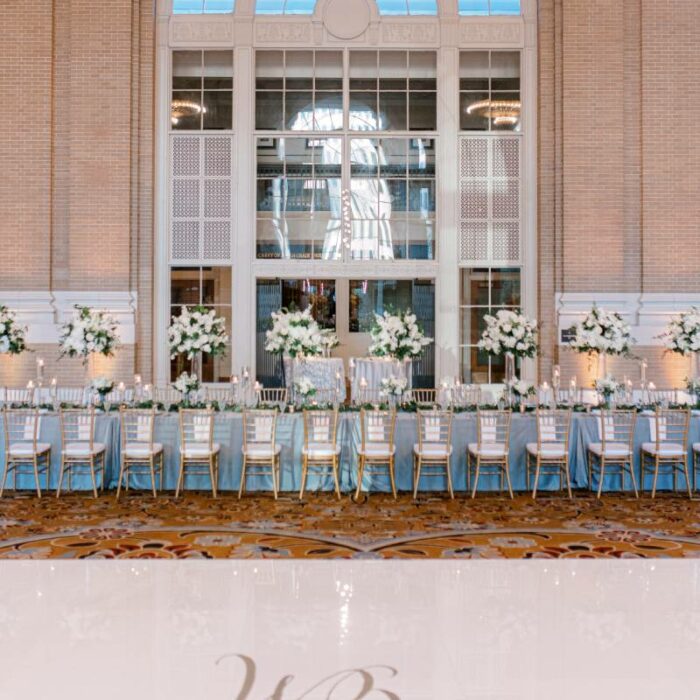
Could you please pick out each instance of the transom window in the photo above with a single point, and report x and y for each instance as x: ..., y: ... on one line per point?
x: 407, y: 7
x: 489, y: 7
x: 198, y: 7
x: 285, y: 7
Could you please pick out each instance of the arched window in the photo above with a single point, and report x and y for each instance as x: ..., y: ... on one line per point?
x: 198, y: 7
x: 285, y: 7
x: 407, y: 7
x: 489, y: 7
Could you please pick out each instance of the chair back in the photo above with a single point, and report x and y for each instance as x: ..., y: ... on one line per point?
x: 493, y: 428
x: 259, y: 428
x: 320, y: 427
x: 21, y: 426
x: 423, y: 397
x: 273, y: 397
x: 553, y: 427
x: 118, y: 397
x: 669, y: 426
x: 17, y: 396
x: 218, y: 394
x: 467, y: 395
x: 78, y: 425
x: 617, y: 427
x: 166, y: 395
x: 434, y: 428
x: 137, y: 426
x: 196, y: 428
x: 73, y: 395
x: 377, y: 427
x: 663, y: 396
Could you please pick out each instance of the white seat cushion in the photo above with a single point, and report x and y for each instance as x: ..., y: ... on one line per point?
x: 377, y: 450
x: 552, y: 450
x: 488, y: 449
x: 612, y: 449
x: 668, y: 449
x: 141, y: 450
x: 82, y: 449
x: 26, y: 449
x: 696, y: 447
x: 195, y: 450
x: 261, y: 451
x: 433, y: 449
x: 320, y: 450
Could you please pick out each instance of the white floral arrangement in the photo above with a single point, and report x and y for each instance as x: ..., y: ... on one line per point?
x: 102, y: 385
x: 509, y: 332
x: 89, y: 332
x: 602, y: 332
x: 12, y: 335
x: 305, y: 387
x: 693, y: 386
x: 393, y: 386
x: 196, y: 330
x: 186, y: 383
x: 682, y: 334
x: 607, y: 386
x: 297, y: 334
x: 521, y: 388
x: 398, y: 336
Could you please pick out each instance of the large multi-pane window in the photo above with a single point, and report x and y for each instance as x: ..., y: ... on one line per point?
x: 489, y: 7
x: 202, y: 90
x: 284, y: 7
x: 407, y: 7
x: 198, y: 7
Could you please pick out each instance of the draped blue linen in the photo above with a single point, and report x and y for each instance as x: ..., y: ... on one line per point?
x: 228, y: 433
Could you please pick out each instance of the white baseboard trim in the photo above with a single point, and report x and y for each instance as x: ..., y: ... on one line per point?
x: 43, y: 313
x: 647, y: 313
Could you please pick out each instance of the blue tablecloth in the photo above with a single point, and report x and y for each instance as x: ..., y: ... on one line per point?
x: 228, y: 433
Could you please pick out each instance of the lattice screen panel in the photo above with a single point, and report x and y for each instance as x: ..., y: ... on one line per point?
x: 490, y: 201
x: 201, y: 199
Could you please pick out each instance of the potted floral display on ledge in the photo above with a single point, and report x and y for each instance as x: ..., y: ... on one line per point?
x: 520, y: 390
x: 188, y: 385
x: 394, y: 388
x: 195, y: 331
x: 602, y: 333
x: 102, y: 386
x: 12, y: 335
x: 397, y: 336
x: 298, y: 334
x: 682, y: 336
x: 304, y: 389
x: 606, y: 388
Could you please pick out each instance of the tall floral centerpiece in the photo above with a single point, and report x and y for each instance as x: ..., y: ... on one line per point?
x: 88, y: 333
x: 511, y: 334
x: 297, y: 334
x: 195, y: 331
x: 682, y: 336
x: 397, y: 336
x: 602, y: 333
x: 12, y: 335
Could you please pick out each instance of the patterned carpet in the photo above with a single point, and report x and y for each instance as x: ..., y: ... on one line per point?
x: 491, y: 527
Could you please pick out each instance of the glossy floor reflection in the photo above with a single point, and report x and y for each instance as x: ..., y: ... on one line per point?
x: 313, y: 629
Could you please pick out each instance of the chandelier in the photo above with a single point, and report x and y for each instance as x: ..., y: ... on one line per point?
x: 180, y: 109
x: 503, y: 112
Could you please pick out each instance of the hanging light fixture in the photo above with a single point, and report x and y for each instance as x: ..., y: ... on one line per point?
x: 503, y: 112
x: 181, y: 109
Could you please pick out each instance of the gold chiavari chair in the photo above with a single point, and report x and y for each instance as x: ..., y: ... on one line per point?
x: 199, y: 454
x: 489, y: 454
x: 166, y: 395
x: 139, y: 454
x: 81, y: 454
x: 321, y: 451
x: 261, y: 453
x: 17, y: 396
x: 550, y: 454
x: 377, y: 450
x: 24, y: 454
x: 70, y: 395
x: 663, y: 397
x: 468, y: 394
x: 218, y: 395
x: 432, y: 453
x: 273, y: 397
x: 614, y: 454
x: 667, y: 453
x: 423, y: 397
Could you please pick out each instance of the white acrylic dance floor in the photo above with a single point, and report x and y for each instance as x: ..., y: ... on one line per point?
x: 312, y: 629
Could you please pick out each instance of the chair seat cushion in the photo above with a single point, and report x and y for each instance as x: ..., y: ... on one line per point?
x: 612, y: 449
x: 261, y: 451
x: 668, y: 449
x: 696, y: 447
x: 82, y: 449
x: 432, y: 449
x: 26, y: 449
x: 488, y: 449
x: 551, y: 450
x: 200, y: 450
x: 320, y: 450
x: 141, y: 450
x: 377, y: 450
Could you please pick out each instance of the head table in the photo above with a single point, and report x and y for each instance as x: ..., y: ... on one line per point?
x: 290, y: 435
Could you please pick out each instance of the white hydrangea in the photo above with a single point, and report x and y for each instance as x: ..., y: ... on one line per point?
x: 102, y: 385
x: 304, y: 387
x: 509, y: 332
x: 12, y: 335
x: 393, y: 386
x: 602, y: 332
x: 186, y: 383
x: 398, y: 336
x: 683, y: 333
x: 197, y: 330
x: 297, y: 334
x: 89, y: 332
x: 521, y: 388
x: 607, y: 386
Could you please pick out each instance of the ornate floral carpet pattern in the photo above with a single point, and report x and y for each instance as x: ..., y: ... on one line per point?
x: 197, y: 526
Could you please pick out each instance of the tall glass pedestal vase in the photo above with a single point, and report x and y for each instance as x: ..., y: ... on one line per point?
x: 694, y: 368
x: 510, y: 377
x: 602, y: 369
x: 196, y: 370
